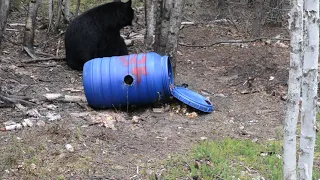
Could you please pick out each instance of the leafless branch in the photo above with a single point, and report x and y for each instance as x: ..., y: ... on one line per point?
x: 233, y: 42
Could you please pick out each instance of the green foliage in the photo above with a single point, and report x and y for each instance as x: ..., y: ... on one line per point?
x: 229, y: 159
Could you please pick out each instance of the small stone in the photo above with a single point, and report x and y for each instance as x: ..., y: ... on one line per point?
x: 53, y: 117
x: 28, y: 122
x: 158, y: 110
x: 136, y: 119
x: 24, y: 124
x: 203, y: 138
x: 41, y: 123
x: 241, y: 127
x: 33, y: 166
x: 271, y: 78
x: 69, y: 148
x: 51, y: 107
x: 220, y: 95
x: 284, y: 97
x: 33, y: 113
x: 192, y: 115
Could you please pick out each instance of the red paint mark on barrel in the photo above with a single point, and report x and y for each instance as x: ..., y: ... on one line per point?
x: 138, y: 65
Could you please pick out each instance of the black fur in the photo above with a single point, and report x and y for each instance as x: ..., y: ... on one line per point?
x: 96, y: 33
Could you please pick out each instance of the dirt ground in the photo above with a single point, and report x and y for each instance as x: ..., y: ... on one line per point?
x: 219, y: 72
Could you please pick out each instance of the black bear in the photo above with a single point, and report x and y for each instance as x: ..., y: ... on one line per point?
x: 96, y: 33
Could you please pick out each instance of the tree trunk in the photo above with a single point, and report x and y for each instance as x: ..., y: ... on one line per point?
x: 223, y: 8
x: 294, y: 85
x: 256, y: 24
x: 4, y: 10
x: 276, y: 12
x: 59, y: 6
x: 151, y: 10
x: 67, y: 11
x: 30, y: 24
x: 163, y: 23
x: 77, y: 8
x: 250, y: 3
x: 14, y: 4
x: 50, y: 13
x: 168, y: 27
x: 309, y: 89
x: 174, y: 31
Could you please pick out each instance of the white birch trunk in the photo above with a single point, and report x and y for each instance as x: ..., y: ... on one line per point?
x: 294, y: 89
x: 309, y: 89
x: 4, y: 10
x: 151, y: 19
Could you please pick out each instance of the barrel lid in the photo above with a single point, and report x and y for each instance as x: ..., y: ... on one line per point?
x: 192, y: 98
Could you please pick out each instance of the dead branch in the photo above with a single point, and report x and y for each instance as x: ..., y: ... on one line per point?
x: 233, y: 42
x: 17, y: 24
x: 11, y: 100
x: 65, y: 98
x: 44, y: 59
x: 36, y: 59
x: 187, y: 23
x: 29, y: 52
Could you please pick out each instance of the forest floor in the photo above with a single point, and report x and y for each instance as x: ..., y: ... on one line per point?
x: 220, y: 72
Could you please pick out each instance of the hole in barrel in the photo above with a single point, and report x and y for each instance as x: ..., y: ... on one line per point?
x: 128, y: 80
x: 208, y: 102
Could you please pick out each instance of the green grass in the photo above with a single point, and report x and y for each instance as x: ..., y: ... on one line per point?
x: 229, y: 159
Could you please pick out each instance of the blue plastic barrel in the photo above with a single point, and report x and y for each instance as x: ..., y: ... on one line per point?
x: 126, y: 80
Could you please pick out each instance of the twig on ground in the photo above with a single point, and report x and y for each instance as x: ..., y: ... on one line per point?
x: 43, y: 59
x: 30, y: 52
x: 17, y: 24
x: 65, y: 98
x: 37, y: 65
x: 36, y: 59
x: 8, y: 29
x: 187, y: 23
x: 233, y: 42
x: 9, y: 99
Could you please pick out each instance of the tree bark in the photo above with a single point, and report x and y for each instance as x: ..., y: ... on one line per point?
x: 151, y: 11
x: 77, y: 8
x: 174, y: 31
x: 50, y: 13
x: 163, y: 23
x: 67, y: 11
x: 168, y: 28
x: 294, y: 90
x: 14, y: 4
x: 223, y: 8
x: 256, y: 24
x: 30, y: 24
x: 309, y: 89
x: 4, y: 10
x: 59, y: 6
x: 276, y: 12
